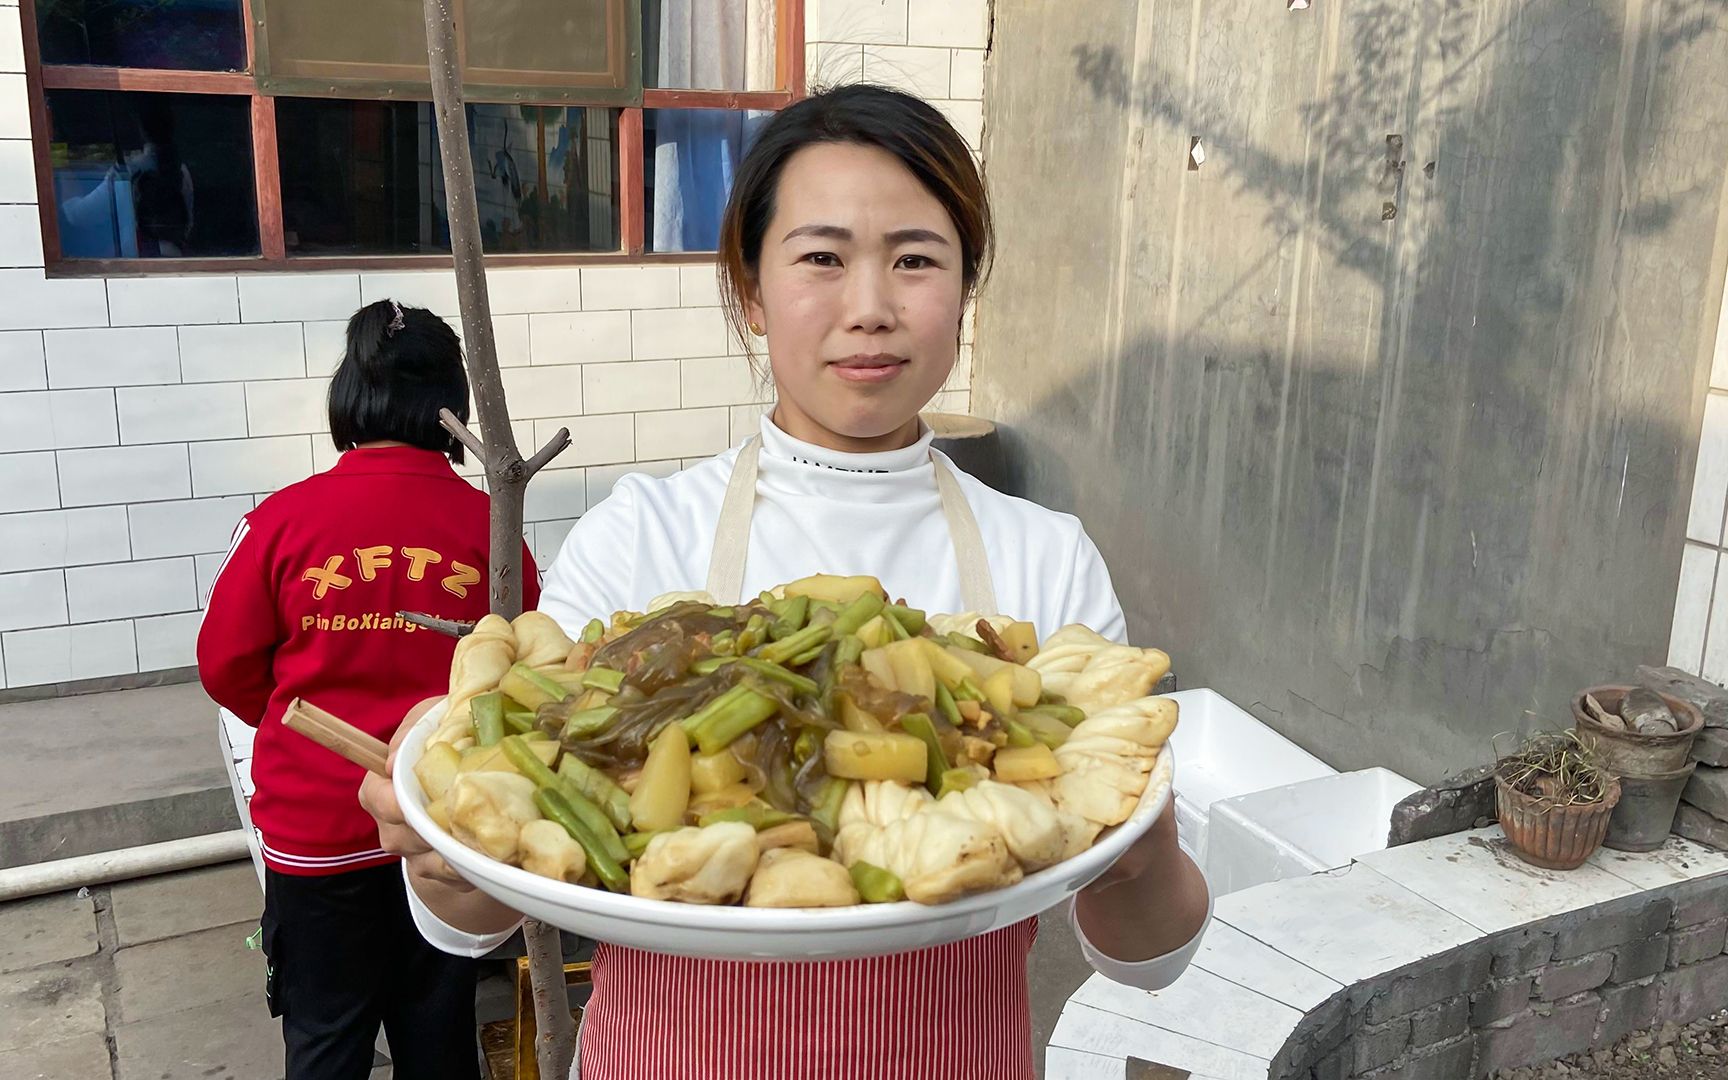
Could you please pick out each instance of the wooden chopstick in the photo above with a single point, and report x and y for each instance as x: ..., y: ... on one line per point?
x: 337, y: 734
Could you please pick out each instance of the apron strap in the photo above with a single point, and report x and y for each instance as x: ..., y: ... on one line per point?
x: 732, y: 530
x: 732, y: 534
x: 977, y: 590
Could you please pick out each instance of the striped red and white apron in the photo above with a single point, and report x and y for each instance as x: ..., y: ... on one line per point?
x: 953, y: 1012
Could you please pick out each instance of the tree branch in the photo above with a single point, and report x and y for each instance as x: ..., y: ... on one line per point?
x: 459, y: 430
x: 432, y: 622
x: 556, y: 445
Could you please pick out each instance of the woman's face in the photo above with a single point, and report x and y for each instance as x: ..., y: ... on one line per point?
x: 859, y: 291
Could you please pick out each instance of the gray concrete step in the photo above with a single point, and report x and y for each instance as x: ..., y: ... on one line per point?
x: 99, y: 772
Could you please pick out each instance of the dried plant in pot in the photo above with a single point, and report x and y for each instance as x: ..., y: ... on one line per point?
x: 1554, y: 799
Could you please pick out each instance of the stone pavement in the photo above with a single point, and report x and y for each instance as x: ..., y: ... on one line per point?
x: 151, y: 980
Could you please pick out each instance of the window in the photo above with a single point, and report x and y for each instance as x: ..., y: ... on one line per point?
x: 180, y: 135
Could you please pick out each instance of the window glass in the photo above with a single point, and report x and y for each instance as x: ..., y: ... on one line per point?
x: 192, y: 35
x: 145, y: 175
x: 709, y: 44
x: 364, y: 177
x: 692, y: 156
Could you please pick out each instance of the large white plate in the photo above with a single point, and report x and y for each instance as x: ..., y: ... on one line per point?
x: 740, y: 933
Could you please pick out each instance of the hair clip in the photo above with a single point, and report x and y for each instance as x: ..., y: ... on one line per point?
x: 396, y: 323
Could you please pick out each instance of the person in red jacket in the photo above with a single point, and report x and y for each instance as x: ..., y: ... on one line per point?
x: 305, y: 606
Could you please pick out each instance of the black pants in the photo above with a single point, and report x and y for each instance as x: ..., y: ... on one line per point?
x: 344, y: 958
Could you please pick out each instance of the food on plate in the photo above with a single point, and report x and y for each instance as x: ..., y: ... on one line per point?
x: 818, y: 746
x: 1090, y: 671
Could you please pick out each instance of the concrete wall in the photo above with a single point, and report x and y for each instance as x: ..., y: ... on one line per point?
x: 141, y: 416
x: 1385, y: 414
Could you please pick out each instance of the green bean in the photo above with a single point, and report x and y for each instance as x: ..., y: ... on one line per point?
x: 593, y: 632
x: 847, y: 650
x: 755, y: 632
x: 605, y: 680
x: 636, y: 843
x: 488, y: 710
x: 876, y: 885
x: 910, y: 618
x: 711, y: 665
x: 919, y: 725
x: 756, y: 816
x: 587, y: 723
x: 721, y: 726
x: 780, y: 674
x: 945, y: 702
x: 1068, y: 714
x: 555, y: 807
x: 810, y: 637
x: 895, y: 630
x: 968, y: 691
x: 600, y: 789
x: 789, y: 617
x: 857, y: 613
x: 1018, y: 733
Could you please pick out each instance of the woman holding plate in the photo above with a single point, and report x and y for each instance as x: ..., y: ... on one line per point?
x: 856, y: 231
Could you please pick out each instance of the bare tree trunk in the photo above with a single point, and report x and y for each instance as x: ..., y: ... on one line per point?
x: 507, y: 475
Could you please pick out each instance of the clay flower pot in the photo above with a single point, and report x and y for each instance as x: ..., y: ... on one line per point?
x: 1549, y: 836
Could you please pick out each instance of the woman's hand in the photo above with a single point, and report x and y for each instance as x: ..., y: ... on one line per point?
x: 1151, y: 901
x: 378, y: 798
x: 444, y: 892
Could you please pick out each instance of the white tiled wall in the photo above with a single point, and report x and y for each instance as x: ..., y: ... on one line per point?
x: 141, y: 416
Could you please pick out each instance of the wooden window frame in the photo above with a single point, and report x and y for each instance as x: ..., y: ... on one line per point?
x: 267, y: 175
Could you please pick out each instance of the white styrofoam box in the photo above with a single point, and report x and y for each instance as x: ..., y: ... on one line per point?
x: 250, y: 465
x: 22, y: 366
x: 510, y: 337
x: 721, y: 380
x: 1223, y: 752
x: 828, y: 64
x: 298, y: 296
x: 554, y: 494
x: 133, y: 356
x: 288, y: 407
x: 875, y: 21
x: 173, y: 301
x: 57, y: 420
x: 50, y: 539
x: 434, y: 290
x: 967, y: 118
x: 17, y: 171
x: 543, y: 391
x: 14, y: 107
x: 602, y: 478
x: 1710, y: 481
x: 182, y: 413
x: 746, y: 420
x: 11, y: 43
x: 959, y: 24
x: 587, y: 337
x: 20, y: 235
x: 611, y: 288
x: 37, y: 598
x: 130, y: 589
x: 548, y: 539
x: 168, y: 641
x: 1715, y: 667
x: 594, y: 440
x: 35, y: 302
x: 678, y: 333
x: 1692, y: 608
x: 681, y: 433
x: 185, y: 527
x: 236, y: 353
x: 325, y: 343
x: 531, y: 290
x: 31, y: 483
x: 918, y: 70
x: 1300, y: 828
x: 67, y: 653
x: 632, y: 387
x: 699, y: 286
x: 206, y: 568
x: 966, y: 75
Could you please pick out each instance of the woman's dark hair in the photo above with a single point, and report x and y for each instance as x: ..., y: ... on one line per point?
x: 395, y: 377
x: 910, y: 129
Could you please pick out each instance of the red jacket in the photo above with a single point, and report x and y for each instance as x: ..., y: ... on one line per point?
x: 305, y: 606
